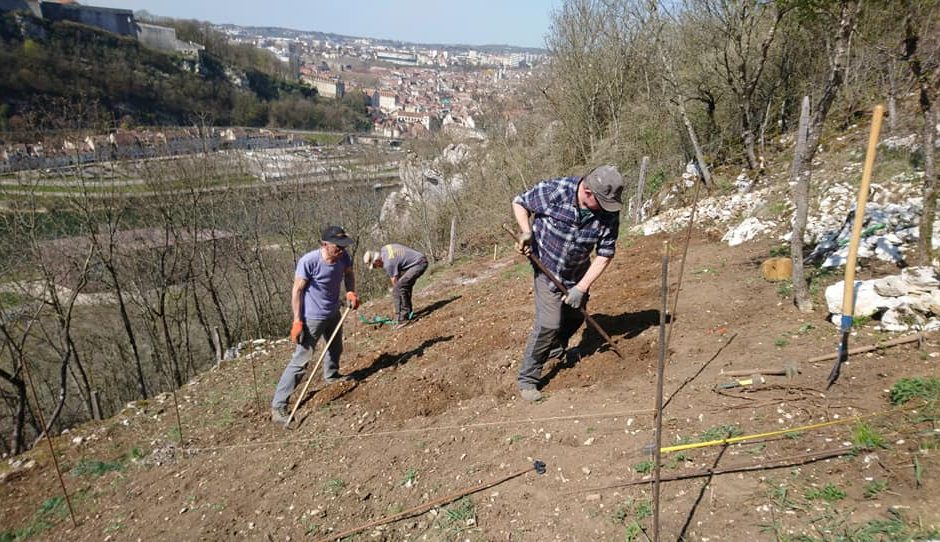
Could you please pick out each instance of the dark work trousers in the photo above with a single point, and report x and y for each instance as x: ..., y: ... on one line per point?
x: 403, y: 288
x: 554, y: 325
x: 313, y: 330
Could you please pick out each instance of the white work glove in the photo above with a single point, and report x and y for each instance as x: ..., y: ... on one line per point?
x: 575, y: 298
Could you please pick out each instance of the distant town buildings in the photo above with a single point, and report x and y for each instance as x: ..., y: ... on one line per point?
x: 411, y: 89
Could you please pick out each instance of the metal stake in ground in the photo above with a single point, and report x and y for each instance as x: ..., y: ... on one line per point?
x: 326, y: 348
x: 564, y: 291
x: 848, y: 301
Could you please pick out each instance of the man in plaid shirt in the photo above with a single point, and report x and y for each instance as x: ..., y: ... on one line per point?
x: 561, y: 222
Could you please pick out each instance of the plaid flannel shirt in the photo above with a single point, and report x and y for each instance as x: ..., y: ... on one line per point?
x: 560, y: 241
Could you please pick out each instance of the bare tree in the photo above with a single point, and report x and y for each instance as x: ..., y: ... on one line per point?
x: 844, y: 24
x: 743, y: 34
x: 919, y: 19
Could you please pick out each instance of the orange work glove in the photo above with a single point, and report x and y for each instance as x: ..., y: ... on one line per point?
x: 296, y: 331
x: 353, y: 300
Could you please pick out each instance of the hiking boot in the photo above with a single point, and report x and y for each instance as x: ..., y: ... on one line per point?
x: 280, y: 414
x: 556, y: 353
x: 400, y: 324
x: 573, y: 356
x: 530, y: 394
x: 336, y: 378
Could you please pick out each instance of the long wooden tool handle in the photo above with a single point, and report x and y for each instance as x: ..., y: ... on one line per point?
x: 848, y: 301
x: 561, y: 287
x: 848, y: 296
x: 313, y: 371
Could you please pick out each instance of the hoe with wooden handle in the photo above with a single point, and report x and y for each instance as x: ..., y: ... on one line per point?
x: 848, y: 299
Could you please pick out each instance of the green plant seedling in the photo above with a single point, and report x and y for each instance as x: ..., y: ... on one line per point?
x: 906, y: 389
x: 875, y: 488
x: 864, y: 437
x: 334, y: 486
x: 829, y: 493
x: 410, y: 476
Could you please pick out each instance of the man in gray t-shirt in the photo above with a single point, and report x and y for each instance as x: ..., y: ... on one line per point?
x: 315, y: 308
x: 403, y: 265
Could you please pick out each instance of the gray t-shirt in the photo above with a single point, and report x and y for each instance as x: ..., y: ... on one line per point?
x: 396, y: 259
x: 321, y: 295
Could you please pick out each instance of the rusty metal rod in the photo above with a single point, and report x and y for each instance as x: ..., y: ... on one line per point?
x: 561, y: 287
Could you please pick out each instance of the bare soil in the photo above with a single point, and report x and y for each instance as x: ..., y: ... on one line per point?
x: 434, y: 411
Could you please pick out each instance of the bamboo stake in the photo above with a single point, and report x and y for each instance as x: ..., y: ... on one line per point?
x: 661, y: 367
x: 790, y: 461
x: 45, y: 430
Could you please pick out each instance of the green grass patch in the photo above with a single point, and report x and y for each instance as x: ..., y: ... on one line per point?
x: 96, y: 468
x: 829, y: 493
x: 49, y: 512
x: 875, y: 488
x: 11, y: 299
x: 458, y: 517
x: 719, y: 432
x: 410, y: 476
x: 785, y: 289
x: 334, y: 486
x: 780, y: 251
x: 643, y: 467
x: 865, y: 437
x: 907, y: 389
x: 778, y: 208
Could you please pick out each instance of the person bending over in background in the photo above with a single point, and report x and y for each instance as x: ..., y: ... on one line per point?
x: 570, y: 217
x: 315, y: 308
x: 403, y: 265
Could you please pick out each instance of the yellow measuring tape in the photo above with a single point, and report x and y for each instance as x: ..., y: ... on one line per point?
x: 732, y: 440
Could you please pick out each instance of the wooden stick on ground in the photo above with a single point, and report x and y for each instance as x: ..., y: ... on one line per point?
x: 538, y: 467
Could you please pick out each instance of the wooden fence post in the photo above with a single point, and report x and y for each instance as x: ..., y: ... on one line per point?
x: 640, y: 185
x: 453, y: 240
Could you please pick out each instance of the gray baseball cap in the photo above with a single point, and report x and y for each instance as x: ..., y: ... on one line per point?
x: 607, y: 185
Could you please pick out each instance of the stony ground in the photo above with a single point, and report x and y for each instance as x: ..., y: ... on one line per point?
x: 434, y: 413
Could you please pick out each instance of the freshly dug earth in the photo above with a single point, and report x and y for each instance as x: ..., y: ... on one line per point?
x: 434, y: 411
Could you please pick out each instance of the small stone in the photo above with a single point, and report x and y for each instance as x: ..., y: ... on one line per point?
x: 593, y: 497
x: 585, y: 470
x: 589, y: 441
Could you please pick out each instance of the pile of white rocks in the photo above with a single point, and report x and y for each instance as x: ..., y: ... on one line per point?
x: 889, y: 228
x: 904, y: 302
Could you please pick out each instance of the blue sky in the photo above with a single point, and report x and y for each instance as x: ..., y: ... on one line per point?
x: 475, y: 22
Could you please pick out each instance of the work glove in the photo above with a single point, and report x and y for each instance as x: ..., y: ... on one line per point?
x: 296, y: 331
x: 575, y: 298
x: 524, y: 243
x: 353, y: 300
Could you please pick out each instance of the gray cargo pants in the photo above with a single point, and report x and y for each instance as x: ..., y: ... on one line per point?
x: 403, y: 288
x: 554, y: 325
x: 313, y: 330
